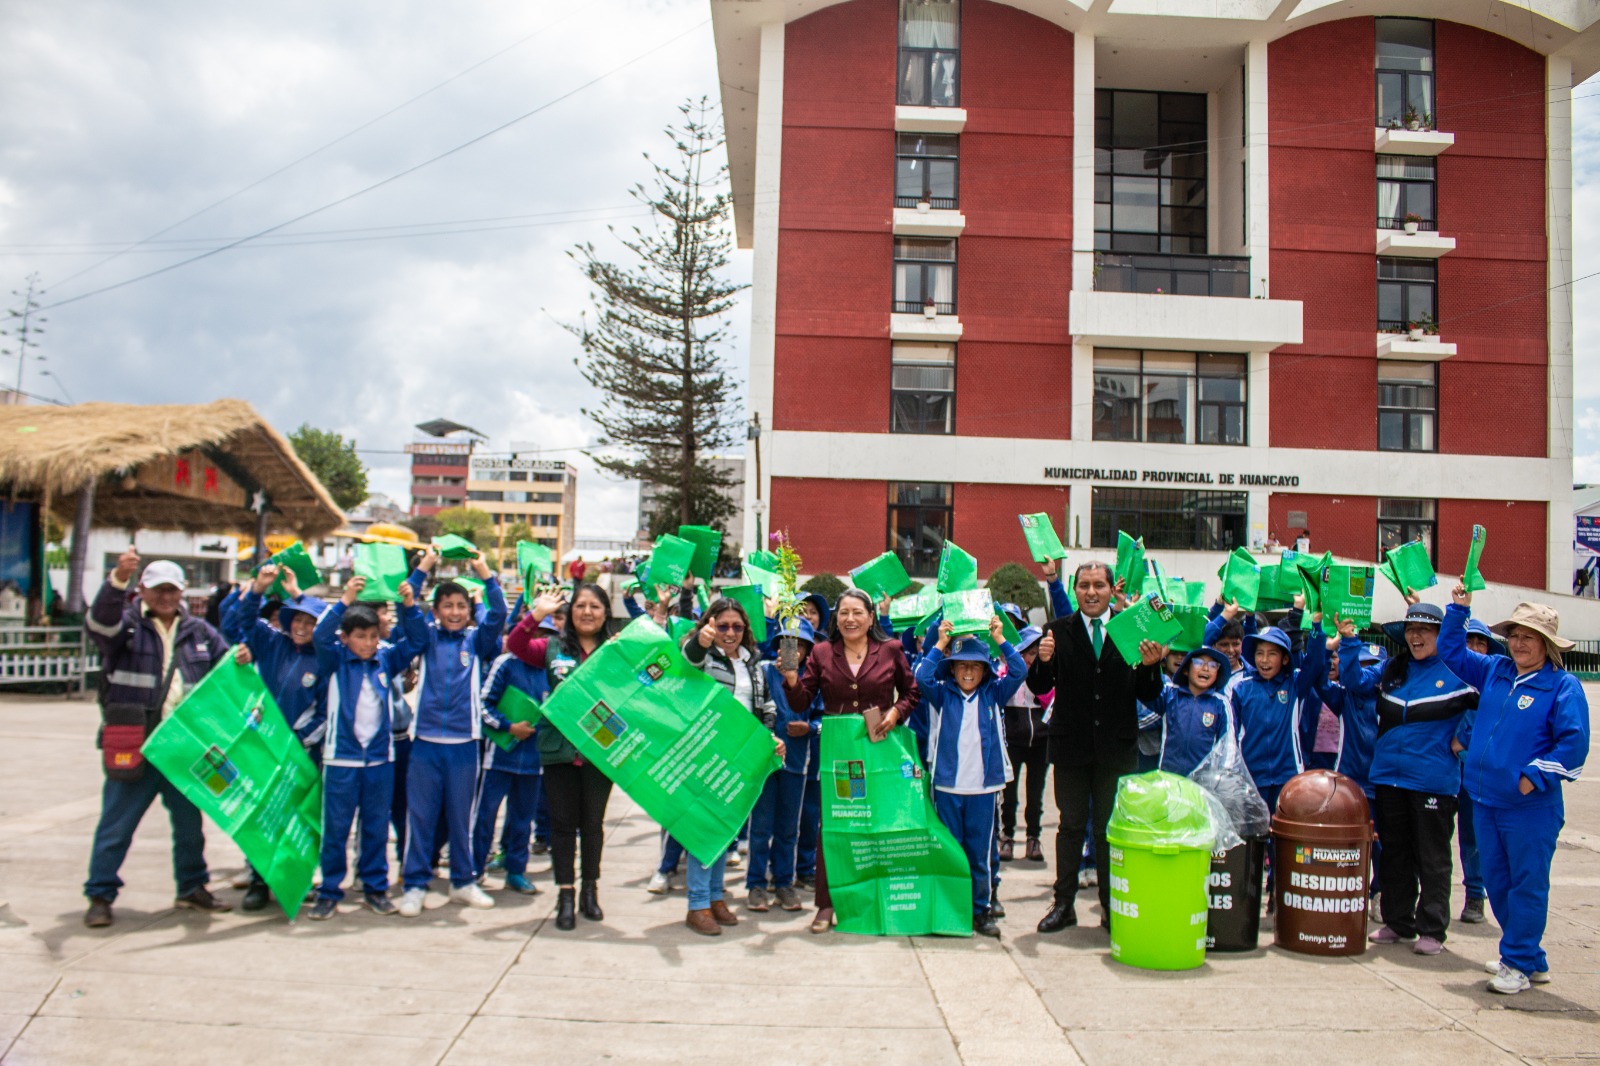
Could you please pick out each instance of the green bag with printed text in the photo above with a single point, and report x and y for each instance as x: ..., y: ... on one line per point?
x: 1130, y: 569
x: 958, y: 571
x: 883, y: 576
x: 517, y: 706
x: 671, y: 561
x: 1241, y: 579
x: 1040, y: 533
x: 1148, y: 619
x: 968, y: 611
x: 707, y: 547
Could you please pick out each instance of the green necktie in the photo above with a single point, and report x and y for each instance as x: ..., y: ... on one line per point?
x: 1097, y: 636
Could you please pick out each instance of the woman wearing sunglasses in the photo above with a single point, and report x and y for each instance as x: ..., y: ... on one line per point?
x: 724, y: 647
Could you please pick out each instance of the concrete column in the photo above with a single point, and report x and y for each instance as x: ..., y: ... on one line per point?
x: 1558, y: 227
x: 764, y: 281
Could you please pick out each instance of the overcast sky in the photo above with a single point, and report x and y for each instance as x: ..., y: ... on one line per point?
x: 118, y: 120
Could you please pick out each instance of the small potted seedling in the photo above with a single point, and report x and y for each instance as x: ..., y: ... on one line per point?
x: 924, y: 206
x: 929, y: 308
x: 1411, y: 223
x: 788, y: 602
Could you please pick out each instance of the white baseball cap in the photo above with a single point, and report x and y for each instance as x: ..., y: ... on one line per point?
x: 163, y: 572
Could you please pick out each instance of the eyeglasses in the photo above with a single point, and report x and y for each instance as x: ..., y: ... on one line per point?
x: 730, y: 627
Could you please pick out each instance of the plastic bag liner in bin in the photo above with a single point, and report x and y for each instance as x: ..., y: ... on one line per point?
x: 1222, y: 773
x: 1160, y: 833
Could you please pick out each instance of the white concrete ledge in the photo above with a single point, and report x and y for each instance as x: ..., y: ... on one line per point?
x: 1424, y: 244
x: 909, y: 222
x: 1411, y: 142
x: 1430, y: 349
x: 923, y: 328
x: 1199, y: 323
x: 909, y: 119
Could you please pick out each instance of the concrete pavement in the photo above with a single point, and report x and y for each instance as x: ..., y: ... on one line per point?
x: 459, y: 986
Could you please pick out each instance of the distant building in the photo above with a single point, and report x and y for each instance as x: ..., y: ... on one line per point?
x: 731, y: 465
x: 516, y: 488
x: 440, y: 459
x: 373, y: 510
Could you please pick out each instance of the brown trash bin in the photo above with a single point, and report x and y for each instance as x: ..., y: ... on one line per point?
x: 1322, y: 864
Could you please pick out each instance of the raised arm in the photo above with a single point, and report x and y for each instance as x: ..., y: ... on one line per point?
x: 1465, y: 663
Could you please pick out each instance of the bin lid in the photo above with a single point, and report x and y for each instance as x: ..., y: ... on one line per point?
x: 1322, y: 798
x: 1160, y: 809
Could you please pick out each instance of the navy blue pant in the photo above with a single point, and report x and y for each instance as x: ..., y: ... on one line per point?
x: 1517, y: 845
x: 122, y: 807
x: 775, y: 830
x: 805, y: 859
x: 442, y: 780
x: 1467, y: 843
x: 397, y: 807
x: 520, y: 794
x: 971, y: 820
x: 346, y: 790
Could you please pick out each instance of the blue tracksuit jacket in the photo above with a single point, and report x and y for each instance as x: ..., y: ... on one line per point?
x: 947, y: 704
x: 1416, y: 719
x: 1357, y: 710
x: 510, y: 671
x: 1191, y: 726
x: 331, y: 720
x: 1267, y: 715
x: 290, y: 671
x: 448, y: 707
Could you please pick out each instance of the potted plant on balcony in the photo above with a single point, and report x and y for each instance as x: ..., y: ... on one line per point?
x: 929, y: 308
x: 924, y: 206
x: 1414, y: 331
x: 1412, y: 119
x: 1430, y: 328
x: 1411, y: 223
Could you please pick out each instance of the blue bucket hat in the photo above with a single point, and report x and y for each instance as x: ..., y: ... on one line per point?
x: 967, y: 650
x: 1271, y: 635
x: 310, y: 606
x: 820, y: 602
x: 1027, y: 637
x: 1180, y: 676
x: 1477, y: 628
x: 1011, y: 610
x: 1426, y: 613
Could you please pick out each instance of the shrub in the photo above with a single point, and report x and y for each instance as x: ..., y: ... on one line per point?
x: 1012, y: 583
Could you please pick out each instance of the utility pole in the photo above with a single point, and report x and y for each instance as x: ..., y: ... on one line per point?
x: 25, y: 325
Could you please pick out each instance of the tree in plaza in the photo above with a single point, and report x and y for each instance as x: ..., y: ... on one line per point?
x: 1011, y: 583
x: 425, y: 526
x: 653, y: 347
x: 333, y: 459
x: 477, y: 526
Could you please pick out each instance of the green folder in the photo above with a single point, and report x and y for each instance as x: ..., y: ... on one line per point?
x: 1347, y: 592
x: 1241, y: 579
x: 1411, y: 567
x: 384, y: 567
x: 1194, y: 594
x: 1040, y: 533
x: 450, y: 546
x: 969, y: 609
x: 884, y: 576
x: 958, y: 571
x: 1149, y: 619
x: 707, y: 547
x: 765, y: 560
x: 1008, y: 630
x: 1193, y: 618
x: 473, y: 586
x: 533, y: 561
x: 1161, y: 581
x: 768, y: 580
x: 671, y: 561
x: 1471, y: 577
x: 1130, y: 564
x: 751, y: 599
x: 915, y: 607
x: 295, y: 558
x: 517, y: 706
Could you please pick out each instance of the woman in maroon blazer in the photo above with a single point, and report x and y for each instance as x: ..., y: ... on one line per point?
x: 858, y: 670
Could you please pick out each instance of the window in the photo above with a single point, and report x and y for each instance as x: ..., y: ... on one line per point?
x: 1408, y: 406
x: 1405, y: 73
x: 1407, y: 294
x: 489, y: 473
x: 516, y: 496
x: 544, y: 497
x: 924, y: 273
x: 919, y: 524
x: 1169, y: 397
x: 923, y: 384
x: 930, y: 37
x: 1169, y: 519
x: 485, y: 495
x: 1405, y: 187
x: 1150, y: 172
x: 925, y: 169
x: 518, y: 475
x: 1401, y: 521
x: 544, y: 520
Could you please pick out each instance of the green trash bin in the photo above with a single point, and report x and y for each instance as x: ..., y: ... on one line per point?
x: 1160, y: 835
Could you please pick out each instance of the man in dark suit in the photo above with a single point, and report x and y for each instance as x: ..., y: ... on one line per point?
x: 1093, y: 729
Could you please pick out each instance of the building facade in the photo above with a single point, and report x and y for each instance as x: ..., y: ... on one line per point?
x: 1215, y: 281
x: 543, y: 493
x: 733, y: 467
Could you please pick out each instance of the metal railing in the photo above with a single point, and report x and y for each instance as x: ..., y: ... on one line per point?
x: 1182, y: 275
x: 42, y: 655
x: 914, y: 307
x: 1399, y: 222
x: 937, y: 203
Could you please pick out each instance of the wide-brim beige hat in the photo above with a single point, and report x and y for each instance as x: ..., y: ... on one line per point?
x: 1537, y: 617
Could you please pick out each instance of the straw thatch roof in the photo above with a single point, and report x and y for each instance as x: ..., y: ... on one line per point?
x: 56, y: 451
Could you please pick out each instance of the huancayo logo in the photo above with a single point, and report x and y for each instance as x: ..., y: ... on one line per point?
x: 850, y: 779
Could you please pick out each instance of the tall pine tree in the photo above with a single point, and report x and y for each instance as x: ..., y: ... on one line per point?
x: 652, y: 349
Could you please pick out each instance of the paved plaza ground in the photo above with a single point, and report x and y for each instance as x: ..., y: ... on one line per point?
x: 467, y: 987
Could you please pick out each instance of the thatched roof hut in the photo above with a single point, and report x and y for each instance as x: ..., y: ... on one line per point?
x: 199, y: 468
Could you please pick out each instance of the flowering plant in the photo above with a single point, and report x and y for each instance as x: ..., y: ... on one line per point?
x: 788, y: 594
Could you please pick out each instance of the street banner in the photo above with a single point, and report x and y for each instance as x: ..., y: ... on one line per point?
x: 666, y: 733
x: 893, y: 868
x: 883, y: 576
x: 384, y: 567
x: 229, y: 751
x: 1040, y: 533
x: 958, y: 571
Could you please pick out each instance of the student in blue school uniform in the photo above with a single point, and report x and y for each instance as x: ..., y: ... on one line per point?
x: 443, y: 774
x: 775, y: 821
x: 510, y: 777
x: 353, y: 724
x: 1268, y: 699
x: 1195, y: 714
x: 1528, y: 736
x: 967, y: 761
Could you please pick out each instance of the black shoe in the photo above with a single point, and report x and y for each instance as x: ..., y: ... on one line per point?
x: 566, y: 916
x: 589, y: 902
x: 1105, y: 922
x: 378, y: 903
x: 1062, y: 916
x: 1472, y: 912
x: 98, y: 916
x: 984, y: 924
x: 540, y: 847
x: 256, y: 897
x: 997, y: 909
x: 323, y: 909
x: 201, y: 899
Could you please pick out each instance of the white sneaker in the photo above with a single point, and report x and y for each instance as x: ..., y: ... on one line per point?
x: 472, y: 896
x: 735, y: 860
x: 660, y: 884
x: 411, y: 902
x: 1509, y: 982
x: 1538, y: 977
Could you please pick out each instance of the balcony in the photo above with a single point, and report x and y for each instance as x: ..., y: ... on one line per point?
x: 1180, y: 275
x: 937, y: 221
x: 1424, y: 244
x: 912, y: 118
x: 1195, y: 318
x: 1411, y: 142
x: 1396, y: 342
x: 908, y: 322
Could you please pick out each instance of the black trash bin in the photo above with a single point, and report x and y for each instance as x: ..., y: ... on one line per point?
x: 1233, y: 921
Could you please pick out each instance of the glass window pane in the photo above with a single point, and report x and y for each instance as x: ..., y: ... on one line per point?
x: 923, y: 378
x: 1102, y: 188
x: 1421, y: 433
x: 1210, y: 428
x: 1102, y: 217
x: 942, y: 178
x: 1419, y: 302
x: 907, y: 283
x: 925, y: 249
x: 1116, y: 406
x: 1233, y: 425
x: 1134, y: 204
x: 1135, y: 120
x: 1405, y: 44
x: 908, y: 176
x: 1391, y: 306
x: 1166, y: 409
x: 1391, y: 99
x: 914, y: 78
x: 929, y: 23
x: 1391, y: 431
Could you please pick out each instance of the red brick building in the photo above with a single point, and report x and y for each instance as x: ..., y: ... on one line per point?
x: 1215, y: 281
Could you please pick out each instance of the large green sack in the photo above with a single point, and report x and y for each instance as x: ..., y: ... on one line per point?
x: 228, y: 749
x: 893, y: 868
x: 384, y: 567
x: 673, y: 739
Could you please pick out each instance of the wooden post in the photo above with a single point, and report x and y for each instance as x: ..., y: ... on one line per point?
x: 78, y: 559
x: 262, y: 504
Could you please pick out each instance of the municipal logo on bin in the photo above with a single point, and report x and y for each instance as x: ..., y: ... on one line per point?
x: 603, y: 724
x: 1306, y: 853
x: 850, y: 779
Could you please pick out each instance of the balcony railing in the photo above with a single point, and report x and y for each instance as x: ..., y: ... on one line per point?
x: 915, y: 307
x: 937, y: 203
x: 1427, y: 225
x: 1183, y: 275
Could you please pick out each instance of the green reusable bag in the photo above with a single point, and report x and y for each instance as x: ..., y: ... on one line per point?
x: 767, y: 580
x: 1040, y: 534
x: 958, y: 571
x: 384, y: 567
x: 534, y: 561
x: 754, y: 603
x: 914, y: 607
x: 671, y: 561
x: 893, y: 868
x: 517, y: 706
x: 668, y: 734
x: 1411, y: 567
x: 969, y: 611
x: 1008, y: 631
x: 1193, y: 619
x: 707, y: 547
x: 884, y: 576
x: 450, y: 546
x: 765, y: 560
x: 1241, y: 580
x: 295, y: 558
x: 1130, y: 564
x: 1470, y: 576
x: 229, y: 751
x: 1347, y: 592
x: 473, y: 586
x: 1148, y: 619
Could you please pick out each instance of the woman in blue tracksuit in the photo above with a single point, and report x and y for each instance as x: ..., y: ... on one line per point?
x: 511, y: 774
x: 1416, y: 778
x: 1529, y: 734
x: 1195, y: 715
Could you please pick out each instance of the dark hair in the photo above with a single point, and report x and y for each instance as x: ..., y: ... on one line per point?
x: 449, y: 588
x: 727, y: 603
x: 1396, y: 668
x: 569, y: 635
x: 269, y: 609
x: 875, y: 632
x: 1094, y: 564
x: 1231, y: 631
x: 359, y: 616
